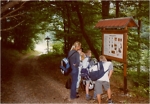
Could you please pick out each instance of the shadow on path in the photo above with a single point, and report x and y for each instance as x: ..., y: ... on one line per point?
x: 29, y: 84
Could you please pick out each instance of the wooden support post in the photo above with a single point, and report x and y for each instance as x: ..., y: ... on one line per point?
x: 125, y: 61
x: 125, y: 77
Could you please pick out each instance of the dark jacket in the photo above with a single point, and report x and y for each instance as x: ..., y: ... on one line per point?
x: 74, y: 60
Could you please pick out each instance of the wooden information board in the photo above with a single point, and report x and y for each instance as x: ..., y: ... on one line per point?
x: 114, y: 45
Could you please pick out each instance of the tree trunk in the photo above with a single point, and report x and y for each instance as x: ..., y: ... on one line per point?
x: 68, y: 40
x: 105, y: 9
x: 105, y: 13
x: 117, y: 9
x: 139, y: 47
x: 84, y: 33
x: 139, y: 44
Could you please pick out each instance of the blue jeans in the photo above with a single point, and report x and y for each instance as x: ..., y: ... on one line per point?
x: 74, y: 77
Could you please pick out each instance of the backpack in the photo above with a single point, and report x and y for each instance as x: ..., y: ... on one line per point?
x: 97, y: 71
x: 92, y: 61
x: 65, y: 66
x: 84, y: 71
x: 85, y: 74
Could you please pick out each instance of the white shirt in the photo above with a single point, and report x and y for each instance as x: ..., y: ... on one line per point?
x: 85, y: 62
x: 106, y: 65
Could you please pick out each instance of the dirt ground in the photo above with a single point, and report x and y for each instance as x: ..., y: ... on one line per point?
x: 30, y: 83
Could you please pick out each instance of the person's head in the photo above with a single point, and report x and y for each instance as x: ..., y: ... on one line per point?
x: 102, y: 58
x: 88, y: 53
x: 76, y: 46
x: 81, y: 53
x: 80, y: 50
x: 82, y: 56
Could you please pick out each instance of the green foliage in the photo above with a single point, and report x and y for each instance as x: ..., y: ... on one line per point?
x: 23, y: 36
x: 141, y: 91
x: 139, y: 80
x: 58, y: 48
x: 140, y: 83
x: 137, y: 85
x: 137, y: 42
x: 61, y: 19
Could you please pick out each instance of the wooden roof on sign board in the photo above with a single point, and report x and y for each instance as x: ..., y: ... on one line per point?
x: 116, y: 23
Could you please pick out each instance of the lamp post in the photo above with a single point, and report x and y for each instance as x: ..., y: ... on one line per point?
x: 47, y: 38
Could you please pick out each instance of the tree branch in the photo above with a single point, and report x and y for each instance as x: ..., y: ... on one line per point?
x: 11, y: 16
x: 13, y: 11
x: 12, y: 27
x: 9, y: 5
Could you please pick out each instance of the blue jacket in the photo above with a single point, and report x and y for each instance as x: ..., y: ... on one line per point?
x: 74, y: 60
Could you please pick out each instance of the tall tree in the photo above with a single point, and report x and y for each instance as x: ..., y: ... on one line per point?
x: 83, y: 30
x: 139, y: 42
x: 105, y: 9
x: 117, y: 9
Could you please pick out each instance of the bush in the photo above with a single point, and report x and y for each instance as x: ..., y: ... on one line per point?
x: 140, y: 83
x: 137, y: 84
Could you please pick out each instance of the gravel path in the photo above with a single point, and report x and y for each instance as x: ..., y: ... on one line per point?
x: 29, y: 83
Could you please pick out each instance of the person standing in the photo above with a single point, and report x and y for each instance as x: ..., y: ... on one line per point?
x: 82, y: 56
x: 105, y: 80
x: 86, y: 63
x: 74, y: 63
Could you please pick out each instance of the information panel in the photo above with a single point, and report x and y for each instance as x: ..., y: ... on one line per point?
x: 113, y: 45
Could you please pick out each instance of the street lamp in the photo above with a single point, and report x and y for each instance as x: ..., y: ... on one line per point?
x: 47, y: 38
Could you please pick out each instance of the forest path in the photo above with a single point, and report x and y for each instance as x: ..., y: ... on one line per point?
x: 30, y: 83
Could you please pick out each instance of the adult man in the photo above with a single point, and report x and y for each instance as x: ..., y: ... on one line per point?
x: 104, y: 81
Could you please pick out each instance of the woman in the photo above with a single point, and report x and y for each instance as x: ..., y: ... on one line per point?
x: 74, y: 63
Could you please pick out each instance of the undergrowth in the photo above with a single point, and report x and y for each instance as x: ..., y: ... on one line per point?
x: 8, y: 59
x: 138, y: 85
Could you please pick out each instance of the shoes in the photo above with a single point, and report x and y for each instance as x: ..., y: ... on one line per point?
x: 94, y: 98
x: 77, y: 96
x: 88, y: 97
x: 110, y: 101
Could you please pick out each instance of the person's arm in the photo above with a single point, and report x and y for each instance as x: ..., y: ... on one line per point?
x: 110, y: 73
x: 77, y: 59
x: 110, y: 70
